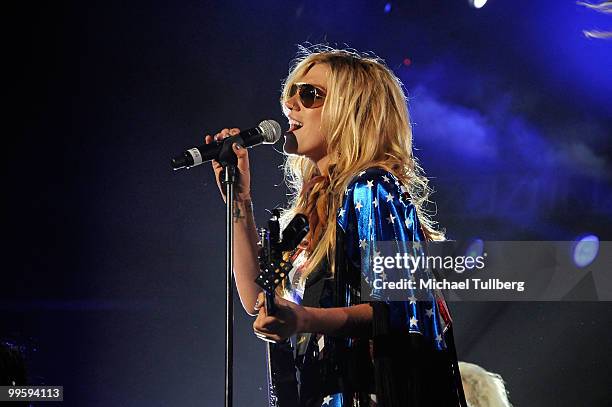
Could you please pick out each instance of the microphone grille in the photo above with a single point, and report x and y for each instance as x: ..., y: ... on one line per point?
x: 271, y: 131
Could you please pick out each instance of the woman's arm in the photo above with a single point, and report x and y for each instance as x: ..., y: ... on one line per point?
x: 246, y: 265
x: 350, y: 321
x: 291, y: 318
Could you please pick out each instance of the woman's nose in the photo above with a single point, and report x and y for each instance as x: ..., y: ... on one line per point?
x: 292, y: 103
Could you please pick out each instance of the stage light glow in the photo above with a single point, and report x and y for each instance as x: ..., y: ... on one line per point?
x: 585, y: 250
x: 478, y: 3
x: 388, y: 8
x: 475, y: 249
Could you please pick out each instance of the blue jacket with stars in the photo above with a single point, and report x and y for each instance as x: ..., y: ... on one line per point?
x: 377, y: 209
x: 410, y: 359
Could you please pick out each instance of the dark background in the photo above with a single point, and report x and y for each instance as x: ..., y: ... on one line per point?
x: 113, y: 284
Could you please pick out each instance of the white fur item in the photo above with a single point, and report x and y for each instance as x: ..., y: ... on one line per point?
x: 482, y: 388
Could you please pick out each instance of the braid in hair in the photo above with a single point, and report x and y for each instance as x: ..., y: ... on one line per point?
x: 316, y: 193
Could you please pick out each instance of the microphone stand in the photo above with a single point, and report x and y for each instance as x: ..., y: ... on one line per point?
x: 229, y: 161
x: 267, y: 132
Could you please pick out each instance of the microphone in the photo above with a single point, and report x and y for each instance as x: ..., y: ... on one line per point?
x: 268, y: 132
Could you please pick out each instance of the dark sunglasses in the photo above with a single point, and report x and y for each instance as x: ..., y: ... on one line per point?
x: 310, y: 96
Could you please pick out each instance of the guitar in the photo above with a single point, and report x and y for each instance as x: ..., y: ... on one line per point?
x: 282, y: 382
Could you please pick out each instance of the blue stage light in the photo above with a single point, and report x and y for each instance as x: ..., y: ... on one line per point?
x: 475, y: 249
x: 387, y: 7
x: 478, y: 3
x: 585, y: 250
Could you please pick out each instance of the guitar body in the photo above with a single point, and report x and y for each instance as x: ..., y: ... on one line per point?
x: 282, y: 383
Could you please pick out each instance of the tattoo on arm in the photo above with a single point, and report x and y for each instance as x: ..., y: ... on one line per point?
x: 237, y: 213
x: 247, y: 211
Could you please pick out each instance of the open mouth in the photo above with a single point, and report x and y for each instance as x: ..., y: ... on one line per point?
x: 294, y: 125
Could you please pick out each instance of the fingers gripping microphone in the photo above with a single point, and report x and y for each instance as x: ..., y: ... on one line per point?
x: 268, y: 132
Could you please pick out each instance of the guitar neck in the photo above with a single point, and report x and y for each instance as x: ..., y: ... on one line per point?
x: 270, y: 306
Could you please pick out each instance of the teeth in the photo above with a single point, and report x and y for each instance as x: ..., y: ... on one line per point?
x: 294, y: 125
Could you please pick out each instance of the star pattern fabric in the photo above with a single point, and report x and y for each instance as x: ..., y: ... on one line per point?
x: 376, y: 207
x: 337, y: 400
x: 329, y: 401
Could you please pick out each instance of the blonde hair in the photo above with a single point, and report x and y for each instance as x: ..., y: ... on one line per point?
x: 366, y: 123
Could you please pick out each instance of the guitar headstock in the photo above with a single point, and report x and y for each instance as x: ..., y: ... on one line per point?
x: 272, y: 274
x: 273, y: 268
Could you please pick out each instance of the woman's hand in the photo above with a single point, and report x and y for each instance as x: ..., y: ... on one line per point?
x: 289, y: 319
x: 243, y: 190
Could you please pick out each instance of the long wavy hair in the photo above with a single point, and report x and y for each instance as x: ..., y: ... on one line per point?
x: 366, y: 124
